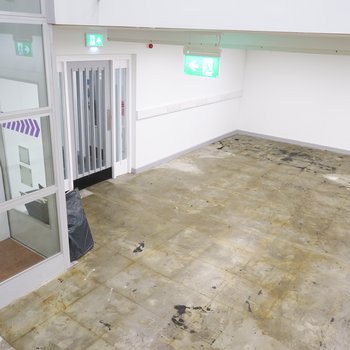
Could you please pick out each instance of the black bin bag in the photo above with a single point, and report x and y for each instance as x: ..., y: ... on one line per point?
x: 80, y: 237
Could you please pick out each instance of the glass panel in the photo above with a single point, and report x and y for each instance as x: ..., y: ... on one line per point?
x: 117, y: 114
x: 97, y: 95
x: 121, y: 114
x: 61, y: 112
x: 28, y: 234
x: 123, y: 111
x: 28, y: 6
x: 25, y: 157
x: 22, y: 67
x: 103, y: 115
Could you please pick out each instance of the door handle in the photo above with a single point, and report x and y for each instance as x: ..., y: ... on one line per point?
x: 109, y: 120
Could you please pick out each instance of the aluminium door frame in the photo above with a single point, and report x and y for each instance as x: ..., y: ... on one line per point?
x: 114, y: 61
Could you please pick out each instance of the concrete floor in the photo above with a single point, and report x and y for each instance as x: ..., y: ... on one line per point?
x: 246, y: 246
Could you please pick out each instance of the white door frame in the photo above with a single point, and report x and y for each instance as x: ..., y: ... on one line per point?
x: 115, y: 61
x: 122, y: 166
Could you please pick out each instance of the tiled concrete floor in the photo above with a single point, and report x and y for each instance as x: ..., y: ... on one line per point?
x: 246, y: 246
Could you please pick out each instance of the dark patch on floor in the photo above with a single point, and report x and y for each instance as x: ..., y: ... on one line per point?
x: 303, y: 158
x: 139, y: 248
x: 221, y: 145
x: 179, y: 319
x: 179, y: 322
x: 108, y: 325
x: 198, y: 308
x: 181, y: 309
x: 249, y: 307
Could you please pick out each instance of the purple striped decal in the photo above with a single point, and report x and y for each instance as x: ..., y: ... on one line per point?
x: 22, y: 126
x: 36, y: 125
x: 26, y: 131
x: 26, y: 126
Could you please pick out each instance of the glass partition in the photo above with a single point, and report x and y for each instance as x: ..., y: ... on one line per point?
x: 22, y: 67
x: 35, y: 225
x: 28, y: 234
x: 121, y: 113
x: 25, y: 157
x: 27, y: 6
x: 61, y: 111
x: 32, y: 234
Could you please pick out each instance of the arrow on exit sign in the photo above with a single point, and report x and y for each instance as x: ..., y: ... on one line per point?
x: 202, y: 66
x: 24, y: 48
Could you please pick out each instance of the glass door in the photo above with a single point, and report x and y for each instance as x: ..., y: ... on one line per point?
x: 90, y: 111
x: 26, y: 168
x: 94, y: 107
x: 121, y: 113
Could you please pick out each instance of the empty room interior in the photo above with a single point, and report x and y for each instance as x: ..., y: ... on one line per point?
x: 174, y: 175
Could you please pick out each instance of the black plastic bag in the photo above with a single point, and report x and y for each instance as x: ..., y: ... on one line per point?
x: 80, y: 237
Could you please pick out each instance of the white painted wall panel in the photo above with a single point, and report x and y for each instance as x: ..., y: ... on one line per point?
x: 312, y: 16
x: 302, y: 97
x: 183, y: 130
x: 160, y: 82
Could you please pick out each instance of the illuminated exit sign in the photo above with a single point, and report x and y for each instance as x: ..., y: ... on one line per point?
x: 24, y: 48
x: 94, y: 40
x: 202, y: 66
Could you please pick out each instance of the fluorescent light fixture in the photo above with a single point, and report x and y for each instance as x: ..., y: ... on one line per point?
x: 201, y: 50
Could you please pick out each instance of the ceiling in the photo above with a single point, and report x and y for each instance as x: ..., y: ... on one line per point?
x: 309, y: 43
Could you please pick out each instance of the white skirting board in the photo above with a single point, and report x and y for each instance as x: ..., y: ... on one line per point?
x: 239, y: 132
x: 294, y: 142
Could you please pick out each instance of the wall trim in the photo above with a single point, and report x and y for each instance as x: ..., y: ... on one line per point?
x: 294, y: 142
x: 234, y: 133
x: 177, y: 107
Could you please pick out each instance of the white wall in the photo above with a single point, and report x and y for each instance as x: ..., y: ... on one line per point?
x: 311, y: 16
x: 161, y: 84
x: 302, y: 97
x: 181, y: 131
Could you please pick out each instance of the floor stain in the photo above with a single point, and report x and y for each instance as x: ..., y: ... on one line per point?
x: 249, y: 307
x: 181, y: 309
x: 193, y: 313
x: 305, y: 159
x: 108, y: 325
x: 139, y: 248
x: 283, y: 209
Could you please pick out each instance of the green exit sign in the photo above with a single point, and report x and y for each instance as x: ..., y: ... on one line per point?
x: 94, y: 40
x: 24, y: 48
x: 202, y: 66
